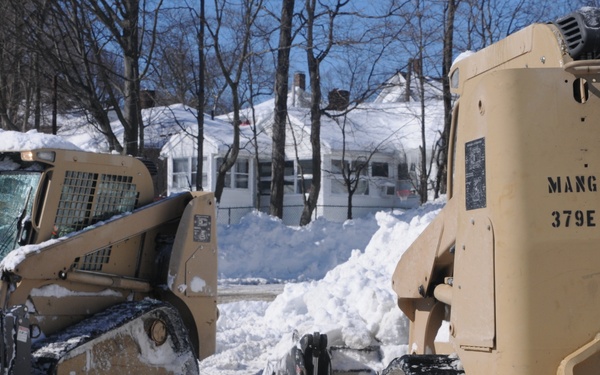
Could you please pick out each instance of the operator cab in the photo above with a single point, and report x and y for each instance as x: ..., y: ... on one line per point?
x: 19, y: 183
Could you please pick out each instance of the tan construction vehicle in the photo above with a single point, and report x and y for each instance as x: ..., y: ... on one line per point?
x: 97, y: 276
x: 512, y: 262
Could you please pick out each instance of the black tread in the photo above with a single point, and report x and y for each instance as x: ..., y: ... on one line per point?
x: 431, y: 364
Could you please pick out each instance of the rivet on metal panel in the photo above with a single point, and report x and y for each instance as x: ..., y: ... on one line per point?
x: 543, y: 59
x: 473, y: 221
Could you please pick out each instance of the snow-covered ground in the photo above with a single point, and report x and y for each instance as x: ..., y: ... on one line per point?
x: 352, y: 302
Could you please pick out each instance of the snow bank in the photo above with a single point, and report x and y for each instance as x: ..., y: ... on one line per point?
x: 17, y: 141
x: 262, y: 249
x: 354, y: 303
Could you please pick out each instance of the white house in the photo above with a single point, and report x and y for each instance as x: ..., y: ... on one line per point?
x: 386, y: 133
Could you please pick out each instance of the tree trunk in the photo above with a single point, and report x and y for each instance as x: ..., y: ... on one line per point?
x: 442, y: 158
x: 349, y: 212
x: 232, y: 155
x: 280, y: 120
x: 101, y: 116
x: 132, y: 111
x: 310, y: 203
x: 200, y: 105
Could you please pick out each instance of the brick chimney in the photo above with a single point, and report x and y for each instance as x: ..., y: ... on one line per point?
x: 147, y: 98
x: 300, y: 80
x: 338, y: 100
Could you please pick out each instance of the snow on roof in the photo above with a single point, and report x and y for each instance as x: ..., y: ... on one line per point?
x: 388, y: 126
x: 160, y: 124
x: 394, y: 89
x: 32, y: 140
x: 218, y: 131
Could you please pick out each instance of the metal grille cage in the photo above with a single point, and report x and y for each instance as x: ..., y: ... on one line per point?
x: 93, y: 261
x: 87, y: 198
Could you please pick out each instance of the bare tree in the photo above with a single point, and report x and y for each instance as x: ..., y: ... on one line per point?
x: 441, y: 182
x: 231, y: 55
x: 92, y: 51
x: 200, y: 100
x: 61, y: 34
x: 125, y: 24
x: 484, y: 22
x: 279, y: 123
x: 13, y: 66
x: 425, y: 165
x: 315, y: 56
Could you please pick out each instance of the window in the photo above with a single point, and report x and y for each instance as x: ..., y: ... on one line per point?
x: 292, y: 181
x: 338, y: 167
x: 360, y: 166
x: 242, y: 174
x: 238, y: 176
x: 338, y: 186
x: 185, y: 171
x: 264, y: 170
x: 17, y: 193
x: 264, y: 173
x: 349, y: 167
x: 289, y: 177
x: 181, y: 178
x: 304, y: 174
x: 403, y: 173
x: 379, y: 169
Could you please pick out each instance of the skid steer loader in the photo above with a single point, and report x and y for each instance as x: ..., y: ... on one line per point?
x: 96, y: 276
x: 512, y: 262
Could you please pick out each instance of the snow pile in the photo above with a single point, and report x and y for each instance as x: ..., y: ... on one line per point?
x: 353, y: 304
x: 261, y: 249
x: 17, y: 141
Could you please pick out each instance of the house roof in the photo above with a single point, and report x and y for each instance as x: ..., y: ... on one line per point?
x: 161, y: 125
x: 217, y: 132
x: 385, y: 124
x: 388, y: 124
